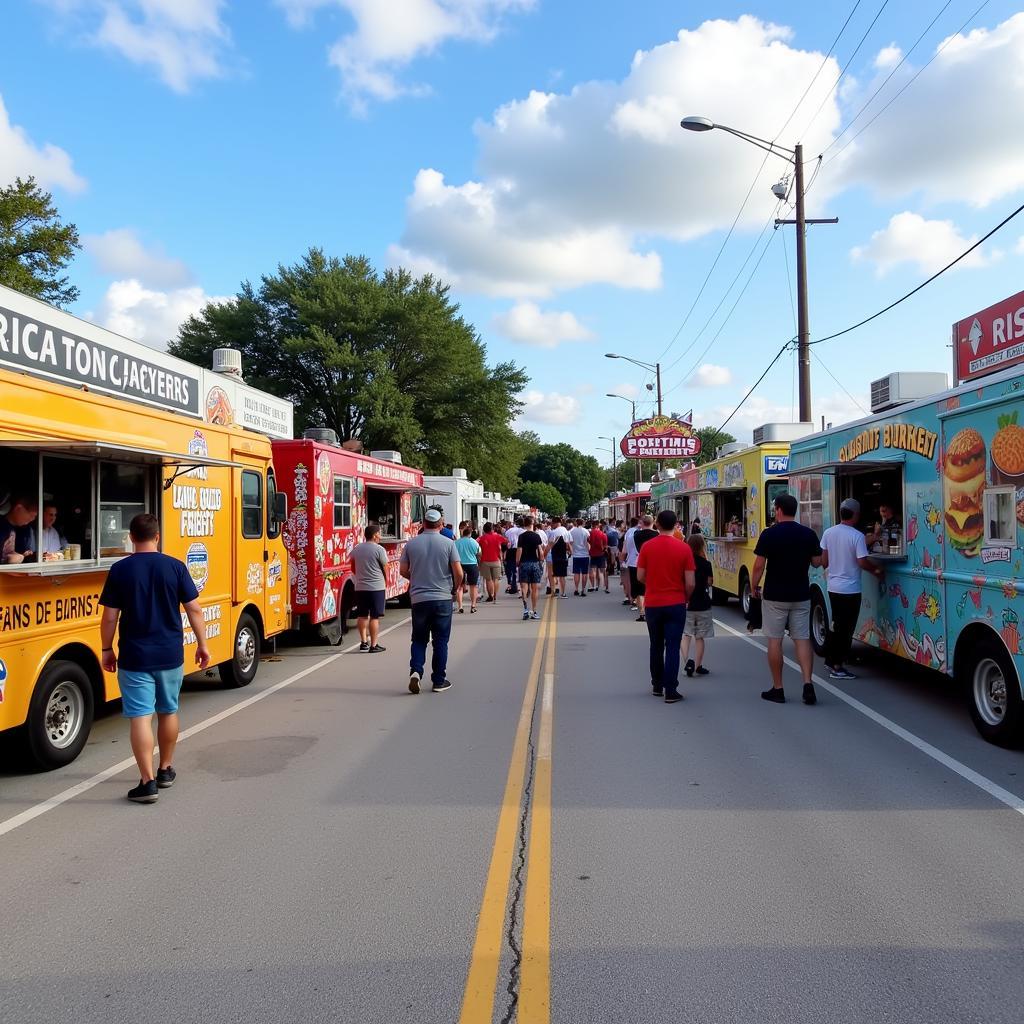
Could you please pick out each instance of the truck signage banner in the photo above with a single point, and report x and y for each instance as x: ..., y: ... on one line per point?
x: 774, y: 464
x: 991, y: 340
x: 660, y: 437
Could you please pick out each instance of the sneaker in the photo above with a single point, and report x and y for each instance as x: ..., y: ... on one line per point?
x: 165, y: 777
x: 442, y: 686
x: 534, y: 615
x: 364, y: 645
x: 810, y: 697
x: 606, y: 590
x: 547, y: 591
x: 641, y: 617
x: 414, y: 682
x: 462, y: 611
x: 377, y: 649
x: 657, y: 691
x: 673, y: 698
x: 702, y: 671
x: 526, y: 615
x: 583, y: 593
x: 144, y: 792
x: 565, y: 595
x: 627, y: 602
x: 575, y: 593
x: 775, y: 696
x: 841, y: 673
x: 689, y: 667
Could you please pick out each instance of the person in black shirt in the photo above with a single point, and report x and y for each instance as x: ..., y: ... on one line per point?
x: 788, y: 549
x: 530, y: 551
x: 643, y: 534
x: 17, y: 538
x: 700, y: 623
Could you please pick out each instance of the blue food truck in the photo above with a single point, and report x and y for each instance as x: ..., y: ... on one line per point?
x: 940, y: 481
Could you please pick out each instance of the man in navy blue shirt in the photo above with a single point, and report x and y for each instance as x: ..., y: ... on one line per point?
x: 17, y: 538
x: 146, y: 591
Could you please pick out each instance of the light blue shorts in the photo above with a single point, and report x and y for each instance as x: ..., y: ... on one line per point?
x: 143, y: 693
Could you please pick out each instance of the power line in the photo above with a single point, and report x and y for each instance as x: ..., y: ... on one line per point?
x: 923, y: 284
x: 839, y: 382
x: 909, y: 82
x: 755, y: 384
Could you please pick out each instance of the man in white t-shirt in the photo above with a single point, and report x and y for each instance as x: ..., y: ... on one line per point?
x: 844, y: 554
x: 580, y: 558
x: 559, y: 551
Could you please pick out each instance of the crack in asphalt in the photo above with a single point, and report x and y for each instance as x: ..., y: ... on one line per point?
x: 513, y: 917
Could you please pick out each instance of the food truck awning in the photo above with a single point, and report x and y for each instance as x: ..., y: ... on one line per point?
x: 857, y: 466
x: 109, y: 450
x: 401, y: 488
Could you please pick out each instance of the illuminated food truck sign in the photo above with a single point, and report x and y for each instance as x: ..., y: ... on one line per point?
x: 991, y: 340
x: 660, y: 437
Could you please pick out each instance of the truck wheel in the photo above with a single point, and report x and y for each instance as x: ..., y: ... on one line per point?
x: 994, y: 693
x: 59, y: 715
x: 820, y: 632
x: 245, y: 659
x: 746, y: 594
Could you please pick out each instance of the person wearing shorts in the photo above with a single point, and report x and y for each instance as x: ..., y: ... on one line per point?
x: 636, y: 541
x: 491, y: 543
x: 469, y: 556
x: 559, y: 547
x: 530, y: 551
x: 598, y: 556
x: 142, y: 601
x: 700, y: 623
x: 786, y: 550
x: 370, y: 564
x: 580, y: 558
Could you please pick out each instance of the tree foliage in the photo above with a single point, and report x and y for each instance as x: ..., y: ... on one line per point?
x: 385, y: 358
x: 711, y: 439
x: 34, y: 245
x: 541, y: 496
x: 577, y: 477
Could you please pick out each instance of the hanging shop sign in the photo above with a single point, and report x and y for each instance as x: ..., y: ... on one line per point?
x: 660, y: 437
x: 991, y: 340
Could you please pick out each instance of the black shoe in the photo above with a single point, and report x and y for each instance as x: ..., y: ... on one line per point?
x: 702, y: 671
x: 377, y: 649
x: 165, y: 777
x: 547, y: 591
x: 364, y: 645
x: 688, y: 667
x: 583, y: 593
x: 810, y: 697
x: 462, y: 611
x: 627, y: 602
x: 657, y: 691
x: 414, y: 682
x: 673, y: 697
x: 144, y: 792
x: 441, y: 687
x: 775, y: 696
x: 641, y: 617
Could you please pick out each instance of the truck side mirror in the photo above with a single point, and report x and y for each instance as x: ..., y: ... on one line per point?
x: 280, y: 507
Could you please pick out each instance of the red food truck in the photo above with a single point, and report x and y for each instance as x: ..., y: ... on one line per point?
x: 332, y: 494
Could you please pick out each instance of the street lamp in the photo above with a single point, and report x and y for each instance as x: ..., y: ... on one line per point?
x: 794, y: 156
x: 636, y: 464
x: 631, y: 401
x: 656, y: 367
x: 615, y: 464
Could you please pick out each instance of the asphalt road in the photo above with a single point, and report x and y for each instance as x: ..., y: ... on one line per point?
x: 326, y: 851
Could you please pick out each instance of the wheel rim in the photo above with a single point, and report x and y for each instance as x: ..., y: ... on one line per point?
x: 65, y: 712
x: 818, y: 624
x: 990, y: 693
x: 245, y: 650
x: 745, y: 598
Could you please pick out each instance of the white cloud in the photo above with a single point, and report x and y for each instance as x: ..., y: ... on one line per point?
x: 21, y: 157
x: 387, y: 37
x: 630, y: 391
x: 527, y: 323
x: 574, y: 185
x: 888, y: 57
x: 120, y: 254
x: 909, y: 238
x: 709, y: 375
x: 184, y: 40
x: 147, y: 315
x: 552, y: 408
x: 952, y: 135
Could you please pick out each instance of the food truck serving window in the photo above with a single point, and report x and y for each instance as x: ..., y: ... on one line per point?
x: 808, y: 490
x: 342, y: 502
x: 382, y: 507
x: 1001, y: 517
x: 729, y: 514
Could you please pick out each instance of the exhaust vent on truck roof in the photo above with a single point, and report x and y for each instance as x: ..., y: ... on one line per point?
x: 227, y: 361
x: 387, y: 456
x: 325, y: 435
x: 900, y: 388
x: 782, y: 432
x: 460, y: 474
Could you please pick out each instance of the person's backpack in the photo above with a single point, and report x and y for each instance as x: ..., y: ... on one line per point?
x: 559, y: 550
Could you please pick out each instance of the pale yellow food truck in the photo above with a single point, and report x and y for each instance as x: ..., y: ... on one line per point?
x: 95, y: 429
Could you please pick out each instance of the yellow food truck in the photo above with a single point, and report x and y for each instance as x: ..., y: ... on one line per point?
x: 97, y: 428
x: 734, y: 498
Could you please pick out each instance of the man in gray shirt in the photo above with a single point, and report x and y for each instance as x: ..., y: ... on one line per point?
x: 431, y: 564
x: 370, y: 563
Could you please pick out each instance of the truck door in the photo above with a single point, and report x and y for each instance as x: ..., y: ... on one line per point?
x: 276, y: 580
x: 251, y: 554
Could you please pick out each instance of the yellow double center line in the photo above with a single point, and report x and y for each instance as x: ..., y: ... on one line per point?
x: 534, y: 994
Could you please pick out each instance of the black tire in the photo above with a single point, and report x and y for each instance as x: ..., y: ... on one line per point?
x: 719, y: 596
x: 746, y: 594
x: 993, y: 691
x: 60, y: 715
x: 821, y: 629
x: 245, y: 654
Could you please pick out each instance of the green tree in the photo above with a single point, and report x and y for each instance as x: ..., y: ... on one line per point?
x: 711, y: 439
x: 541, y: 496
x: 34, y: 245
x: 577, y: 477
x: 385, y: 358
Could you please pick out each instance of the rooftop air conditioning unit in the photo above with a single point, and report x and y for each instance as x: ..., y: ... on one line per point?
x: 728, y: 449
x: 227, y: 361
x: 900, y: 388
x: 782, y: 432
x: 460, y: 474
x: 387, y: 456
x: 325, y: 435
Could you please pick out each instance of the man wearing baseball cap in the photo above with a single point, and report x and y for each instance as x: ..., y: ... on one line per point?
x: 431, y: 564
x: 844, y: 553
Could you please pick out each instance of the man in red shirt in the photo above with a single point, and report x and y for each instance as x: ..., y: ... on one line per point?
x: 598, y: 557
x: 666, y: 567
x: 491, y: 543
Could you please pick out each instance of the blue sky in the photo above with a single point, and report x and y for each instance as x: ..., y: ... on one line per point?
x: 529, y: 151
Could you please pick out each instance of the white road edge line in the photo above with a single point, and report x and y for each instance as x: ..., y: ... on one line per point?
x: 993, y: 789
x: 30, y: 813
